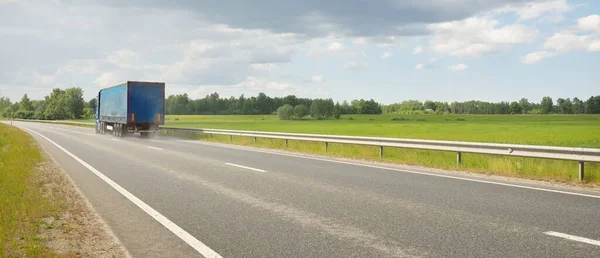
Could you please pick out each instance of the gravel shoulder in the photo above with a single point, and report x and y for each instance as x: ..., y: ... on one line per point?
x: 76, y: 229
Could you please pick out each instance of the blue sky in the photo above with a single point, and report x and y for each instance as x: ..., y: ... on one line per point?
x: 495, y: 50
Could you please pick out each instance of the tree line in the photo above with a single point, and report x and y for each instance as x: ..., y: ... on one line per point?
x: 58, y: 105
x: 69, y: 104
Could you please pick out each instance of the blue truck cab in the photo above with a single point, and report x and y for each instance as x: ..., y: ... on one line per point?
x: 131, y: 107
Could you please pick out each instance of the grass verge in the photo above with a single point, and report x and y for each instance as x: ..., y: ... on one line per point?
x: 42, y: 214
x: 22, y: 203
x: 527, y: 168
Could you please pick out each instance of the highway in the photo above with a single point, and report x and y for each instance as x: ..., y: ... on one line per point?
x: 178, y: 198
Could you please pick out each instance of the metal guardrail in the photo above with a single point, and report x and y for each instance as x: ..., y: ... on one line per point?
x: 581, y: 155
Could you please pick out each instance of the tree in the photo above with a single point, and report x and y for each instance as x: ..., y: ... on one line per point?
x: 564, y: 106
x: 337, y: 111
x: 300, y: 111
x: 92, y: 104
x: 4, y: 105
x: 74, y: 102
x: 515, y: 108
x: 321, y: 108
x: 578, y: 106
x: 56, y: 105
x: 285, y: 112
x: 25, y: 103
x: 525, y: 105
x: 546, y: 105
x: 592, y: 105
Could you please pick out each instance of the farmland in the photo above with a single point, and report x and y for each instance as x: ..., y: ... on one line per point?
x: 554, y: 130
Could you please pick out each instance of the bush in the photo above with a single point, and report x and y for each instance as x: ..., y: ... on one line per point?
x: 285, y: 112
x: 23, y: 114
x: 300, y: 111
x: 321, y: 108
x: 399, y: 119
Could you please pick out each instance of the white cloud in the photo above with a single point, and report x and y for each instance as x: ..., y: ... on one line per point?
x: 317, y: 79
x: 355, y: 66
x: 589, y: 23
x: 387, y: 55
x: 268, y: 67
x: 458, y: 67
x: 545, y: 10
x: 254, y: 83
x: 417, y: 50
x: 535, y: 57
x: 108, y: 79
x: 420, y: 66
x: 565, y: 42
x: 335, y: 47
x: 43, y: 80
x: 477, y: 36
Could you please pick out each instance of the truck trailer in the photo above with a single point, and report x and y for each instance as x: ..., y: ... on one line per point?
x: 131, y: 107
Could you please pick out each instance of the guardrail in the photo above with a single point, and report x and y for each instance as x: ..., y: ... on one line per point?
x: 580, y: 155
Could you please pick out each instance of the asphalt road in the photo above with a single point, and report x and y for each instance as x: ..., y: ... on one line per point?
x: 183, y: 199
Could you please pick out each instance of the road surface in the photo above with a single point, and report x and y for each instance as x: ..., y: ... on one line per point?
x: 177, y: 198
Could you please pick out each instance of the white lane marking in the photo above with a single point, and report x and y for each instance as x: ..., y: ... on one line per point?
x: 402, y: 170
x: 574, y: 238
x: 249, y: 168
x: 178, y: 231
x: 154, y: 148
x: 114, y: 139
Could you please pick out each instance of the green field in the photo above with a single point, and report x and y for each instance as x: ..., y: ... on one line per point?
x: 557, y: 130
x: 551, y: 130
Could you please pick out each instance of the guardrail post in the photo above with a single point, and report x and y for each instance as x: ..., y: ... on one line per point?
x: 381, y: 151
x: 286, y: 143
x: 581, y: 166
x: 210, y: 135
x: 230, y: 138
x: 458, y: 158
x: 326, y: 146
x: 254, y: 140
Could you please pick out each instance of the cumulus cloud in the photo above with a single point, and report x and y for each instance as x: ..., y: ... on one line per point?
x: 535, y: 57
x: 565, y: 41
x: 589, y: 23
x: 386, y: 55
x: 477, y: 36
x: 420, y: 66
x: 546, y: 10
x: 458, y: 67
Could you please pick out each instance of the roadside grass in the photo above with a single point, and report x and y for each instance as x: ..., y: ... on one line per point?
x: 527, y: 168
x: 551, y: 130
x: 22, y: 203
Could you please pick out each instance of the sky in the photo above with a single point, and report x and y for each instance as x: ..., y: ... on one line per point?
x: 387, y: 50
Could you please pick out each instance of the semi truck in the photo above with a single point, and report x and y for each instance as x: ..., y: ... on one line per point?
x: 131, y: 107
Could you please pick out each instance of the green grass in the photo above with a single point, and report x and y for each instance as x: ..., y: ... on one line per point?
x: 22, y: 205
x: 552, y: 130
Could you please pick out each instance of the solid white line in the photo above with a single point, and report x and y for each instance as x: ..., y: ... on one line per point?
x: 154, y: 148
x: 240, y: 166
x: 402, y: 170
x: 178, y: 231
x: 574, y: 238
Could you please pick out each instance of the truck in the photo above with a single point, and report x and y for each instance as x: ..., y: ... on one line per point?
x: 131, y: 107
